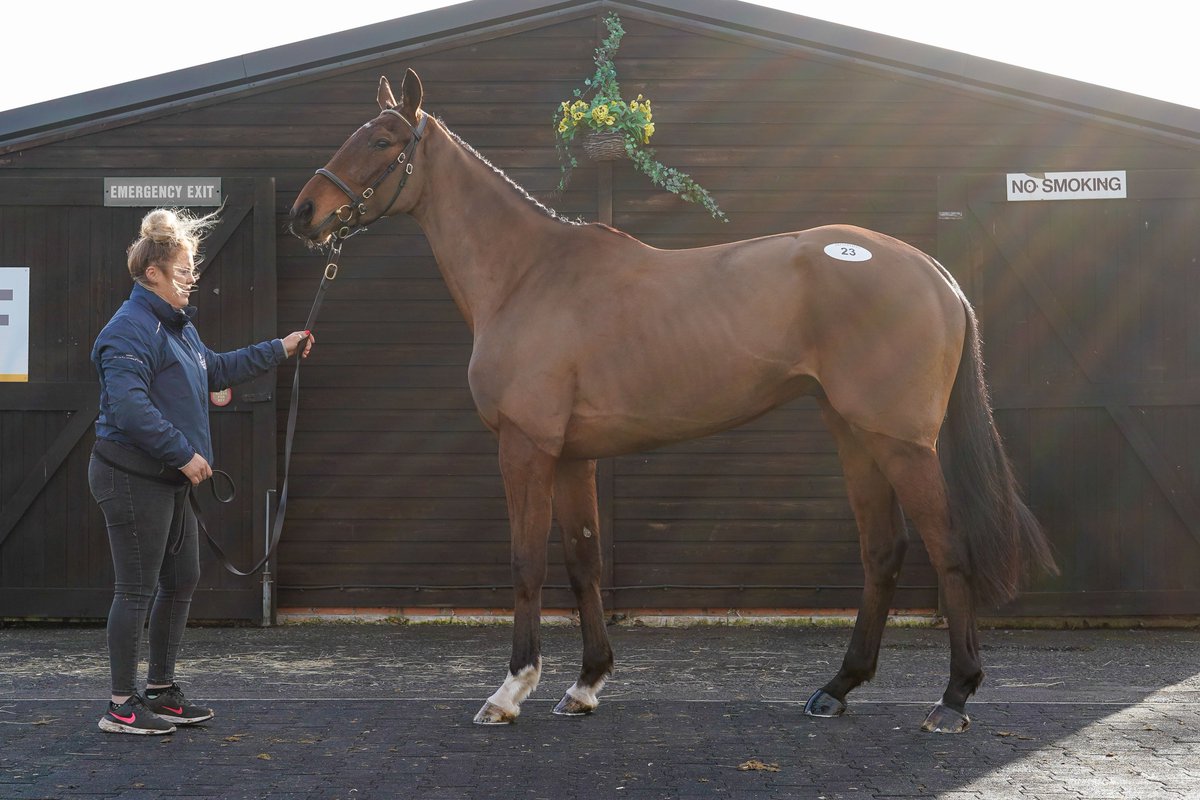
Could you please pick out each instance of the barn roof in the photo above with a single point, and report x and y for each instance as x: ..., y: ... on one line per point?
x: 756, y: 25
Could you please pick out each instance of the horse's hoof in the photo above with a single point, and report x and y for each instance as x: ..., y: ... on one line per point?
x: 943, y: 719
x: 492, y: 714
x: 823, y: 704
x: 571, y: 706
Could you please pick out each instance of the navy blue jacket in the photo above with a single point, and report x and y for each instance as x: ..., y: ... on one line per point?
x: 155, y: 376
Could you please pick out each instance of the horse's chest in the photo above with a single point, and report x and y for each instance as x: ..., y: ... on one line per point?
x: 494, y: 375
x: 520, y: 380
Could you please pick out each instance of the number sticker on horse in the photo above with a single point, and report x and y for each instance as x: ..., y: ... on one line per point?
x: 843, y: 251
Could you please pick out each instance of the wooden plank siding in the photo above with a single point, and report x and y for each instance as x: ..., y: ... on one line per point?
x: 396, y: 498
x: 60, y: 540
x: 1092, y: 335
x: 54, y: 553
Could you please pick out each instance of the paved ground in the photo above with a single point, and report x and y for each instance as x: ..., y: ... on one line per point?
x: 356, y: 712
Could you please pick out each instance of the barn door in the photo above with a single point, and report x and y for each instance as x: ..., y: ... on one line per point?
x: 54, y: 559
x: 1090, y: 311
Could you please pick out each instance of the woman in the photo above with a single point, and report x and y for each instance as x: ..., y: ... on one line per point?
x: 152, y: 443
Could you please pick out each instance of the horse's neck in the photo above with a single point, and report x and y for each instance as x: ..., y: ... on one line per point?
x: 484, y: 235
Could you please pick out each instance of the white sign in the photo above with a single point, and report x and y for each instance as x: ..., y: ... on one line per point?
x: 844, y: 251
x: 162, y: 191
x: 14, y: 324
x: 1066, y: 185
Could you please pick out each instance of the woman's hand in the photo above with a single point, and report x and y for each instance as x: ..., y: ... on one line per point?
x: 197, y: 470
x: 293, y: 340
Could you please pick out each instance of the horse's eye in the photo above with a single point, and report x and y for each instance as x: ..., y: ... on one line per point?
x: 381, y: 144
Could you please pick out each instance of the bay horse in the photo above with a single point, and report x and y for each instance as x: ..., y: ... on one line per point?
x: 589, y: 344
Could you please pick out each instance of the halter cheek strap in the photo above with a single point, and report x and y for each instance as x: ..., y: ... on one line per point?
x: 356, y: 209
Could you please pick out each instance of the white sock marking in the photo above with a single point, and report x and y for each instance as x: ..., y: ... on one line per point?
x: 587, y: 694
x: 516, y: 688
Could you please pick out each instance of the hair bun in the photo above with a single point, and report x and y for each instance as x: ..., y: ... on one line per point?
x: 162, y: 226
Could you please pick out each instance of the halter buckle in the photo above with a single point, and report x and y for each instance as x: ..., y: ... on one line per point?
x: 344, y: 233
x: 331, y: 271
x: 349, y: 211
x: 408, y: 168
x: 367, y: 193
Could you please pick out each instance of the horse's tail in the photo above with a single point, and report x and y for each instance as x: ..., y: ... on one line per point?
x: 1003, y: 537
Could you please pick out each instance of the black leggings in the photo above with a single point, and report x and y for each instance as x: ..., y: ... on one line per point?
x: 145, y: 520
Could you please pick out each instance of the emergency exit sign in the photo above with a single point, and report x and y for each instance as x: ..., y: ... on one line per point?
x: 176, y: 192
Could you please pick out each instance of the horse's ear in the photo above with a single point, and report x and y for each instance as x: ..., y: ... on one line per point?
x: 411, y: 94
x: 384, y: 97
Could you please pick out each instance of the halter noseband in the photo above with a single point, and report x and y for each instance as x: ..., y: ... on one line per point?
x: 351, y: 213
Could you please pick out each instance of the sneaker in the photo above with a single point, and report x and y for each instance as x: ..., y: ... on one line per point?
x: 132, y: 716
x: 170, y: 704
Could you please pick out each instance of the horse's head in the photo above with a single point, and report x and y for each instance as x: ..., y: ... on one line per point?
x: 371, y: 175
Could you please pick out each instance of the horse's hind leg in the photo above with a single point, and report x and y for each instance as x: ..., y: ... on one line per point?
x: 528, y: 474
x: 916, y: 474
x: 882, y: 542
x: 575, y: 509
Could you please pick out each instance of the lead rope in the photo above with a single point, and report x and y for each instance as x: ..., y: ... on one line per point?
x: 335, y: 252
x: 331, y: 270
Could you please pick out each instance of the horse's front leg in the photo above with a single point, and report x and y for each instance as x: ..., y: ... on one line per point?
x: 528, y: 474
x: 578, y: 517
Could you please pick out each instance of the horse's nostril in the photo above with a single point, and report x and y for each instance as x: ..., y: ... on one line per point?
x: 302, y: 212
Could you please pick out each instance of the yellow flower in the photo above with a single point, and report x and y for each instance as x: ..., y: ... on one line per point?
x: 562, y: 127
x: 577, y: 115
x: 633, y: 105
x: 599, y: 113
x: 649, y: 132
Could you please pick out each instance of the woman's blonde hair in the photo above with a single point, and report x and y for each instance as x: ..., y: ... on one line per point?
x: 163, y: 234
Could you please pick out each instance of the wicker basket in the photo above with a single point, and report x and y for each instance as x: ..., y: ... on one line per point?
x: 607, y: 146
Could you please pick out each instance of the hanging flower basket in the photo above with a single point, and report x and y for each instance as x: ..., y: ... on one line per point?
x: 612, y: 128
x: 607, y: 146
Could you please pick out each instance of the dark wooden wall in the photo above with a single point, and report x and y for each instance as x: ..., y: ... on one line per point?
x: 1092, y: 339
x: 54, y: 553
x: 396, y: 493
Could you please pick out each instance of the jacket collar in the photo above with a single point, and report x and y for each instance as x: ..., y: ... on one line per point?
x: 172, y: 317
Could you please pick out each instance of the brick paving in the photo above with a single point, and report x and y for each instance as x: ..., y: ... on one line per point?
x: 350, y: 712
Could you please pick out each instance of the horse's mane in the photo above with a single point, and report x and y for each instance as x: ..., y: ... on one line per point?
x: 516, y: 187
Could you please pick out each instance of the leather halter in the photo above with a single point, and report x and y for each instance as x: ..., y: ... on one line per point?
x: 351, y: 214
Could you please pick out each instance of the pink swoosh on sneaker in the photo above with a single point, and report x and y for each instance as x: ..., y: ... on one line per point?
x: 174, y: 710
x: 127, y: 720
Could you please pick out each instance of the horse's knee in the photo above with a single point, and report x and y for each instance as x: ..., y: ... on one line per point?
x: 528, y: 578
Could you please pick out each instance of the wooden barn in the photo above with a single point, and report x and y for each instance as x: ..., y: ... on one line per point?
x: 1067, y: 211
